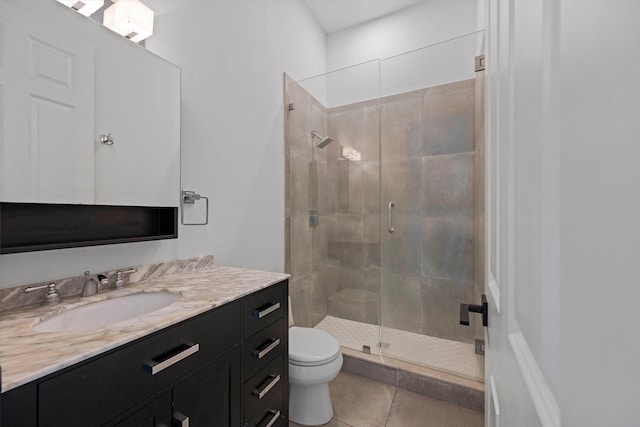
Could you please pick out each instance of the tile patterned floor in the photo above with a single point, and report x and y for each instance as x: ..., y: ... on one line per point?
x: 359, y: 402
x: 446, y: 355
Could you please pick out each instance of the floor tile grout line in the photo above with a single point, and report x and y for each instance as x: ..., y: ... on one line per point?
x: 393, y: 398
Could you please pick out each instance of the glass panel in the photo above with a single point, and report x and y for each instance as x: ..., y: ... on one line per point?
x: 419, y: 147
x: 334, y: 199
x: 428, y: 187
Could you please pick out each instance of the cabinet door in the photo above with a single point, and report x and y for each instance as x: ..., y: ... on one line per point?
x: 155, y: 414
x: 142, y: 112
x: 46, y: 126
x: 210, y: 397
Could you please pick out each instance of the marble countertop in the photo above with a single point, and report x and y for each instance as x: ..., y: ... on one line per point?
x: 26, y: 355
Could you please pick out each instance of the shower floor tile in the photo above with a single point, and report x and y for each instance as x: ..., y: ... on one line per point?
x: 438, y: 353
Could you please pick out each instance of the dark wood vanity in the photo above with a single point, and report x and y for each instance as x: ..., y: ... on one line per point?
x: 225, y: 367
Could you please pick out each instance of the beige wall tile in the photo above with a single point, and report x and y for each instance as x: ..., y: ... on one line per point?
x: 345, y: 227
x: 448, y: 118
x: 358, y: 127
x: 440, y: 300
x: 401, y: 302
x: 448, y: 245
x: 401, y: 136
x: 401, y: 251
x: 299, y: 122
x: 447, y: 185
x: 301, y: 245
x: 299, y: 184
x: 300, y: 292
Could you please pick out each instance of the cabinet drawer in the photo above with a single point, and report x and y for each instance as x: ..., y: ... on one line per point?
x: 115, y: 382
x: 263, y: 308
x: 262, y: 347
x: 259, y: 389
x: 272, y: 415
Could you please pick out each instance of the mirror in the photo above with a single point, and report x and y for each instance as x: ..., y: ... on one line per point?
x: 86, y: 116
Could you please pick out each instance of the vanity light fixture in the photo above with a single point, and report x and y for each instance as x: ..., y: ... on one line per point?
x: 85, y: 7
x: 129, y: 18
x: 351, y: 153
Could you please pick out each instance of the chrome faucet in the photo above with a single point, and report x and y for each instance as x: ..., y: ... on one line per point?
x: 92, y: 283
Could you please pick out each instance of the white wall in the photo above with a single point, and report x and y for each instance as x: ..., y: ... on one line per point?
x: 233, y: 55
x: 426, y: 23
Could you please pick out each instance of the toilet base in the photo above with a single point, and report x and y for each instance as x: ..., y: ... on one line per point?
x: 310, y: 405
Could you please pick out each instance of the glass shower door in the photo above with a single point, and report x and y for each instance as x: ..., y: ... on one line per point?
x: 428, y: 206
x: 334, y: 193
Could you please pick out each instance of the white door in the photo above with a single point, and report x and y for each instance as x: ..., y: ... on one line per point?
x: 563, y: 212
x: 46, y: 107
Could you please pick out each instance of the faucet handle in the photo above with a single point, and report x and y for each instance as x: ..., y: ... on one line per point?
x: 119, y: 279
x: 52, y: 297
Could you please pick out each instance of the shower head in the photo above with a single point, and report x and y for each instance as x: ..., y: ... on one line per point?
x: 324, y: 141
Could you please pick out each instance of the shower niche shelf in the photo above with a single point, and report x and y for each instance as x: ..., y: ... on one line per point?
x: 27, y: 227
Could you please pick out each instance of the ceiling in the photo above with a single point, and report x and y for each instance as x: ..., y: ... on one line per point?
x: 335, y: 15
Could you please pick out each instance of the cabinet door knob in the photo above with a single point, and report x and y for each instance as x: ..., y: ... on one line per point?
x: 180, y: 420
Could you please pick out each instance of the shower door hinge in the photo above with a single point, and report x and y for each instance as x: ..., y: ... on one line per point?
x: 479, y: 346
x: 479, y: 63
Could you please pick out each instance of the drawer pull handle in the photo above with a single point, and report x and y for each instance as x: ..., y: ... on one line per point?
x: 180, y: 420
x: 266, y: 309
x: 273, y: 416
x: 266, y: 348
x: 172, y: 357
x: 274, y: 379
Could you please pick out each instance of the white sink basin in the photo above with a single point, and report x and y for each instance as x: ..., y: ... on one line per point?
x: 104, y: 313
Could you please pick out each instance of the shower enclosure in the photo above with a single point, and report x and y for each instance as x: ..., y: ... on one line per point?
x: 384, y: 219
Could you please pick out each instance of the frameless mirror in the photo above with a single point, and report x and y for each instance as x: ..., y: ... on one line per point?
x: 86, y: 116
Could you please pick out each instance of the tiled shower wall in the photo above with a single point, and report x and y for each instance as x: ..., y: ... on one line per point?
x: 428, y: 170
x: 312, y: 279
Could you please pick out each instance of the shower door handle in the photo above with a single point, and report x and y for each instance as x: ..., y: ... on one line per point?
x: 475, y: 308
x: 391, y: 207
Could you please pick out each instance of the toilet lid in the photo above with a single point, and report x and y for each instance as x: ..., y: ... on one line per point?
x: 308, y: 345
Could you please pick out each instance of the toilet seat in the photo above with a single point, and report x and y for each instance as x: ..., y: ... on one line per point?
x: 311, y: 347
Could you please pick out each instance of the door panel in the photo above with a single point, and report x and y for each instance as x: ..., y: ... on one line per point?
x: 155, y: 414
x: 207, y: 396
x: 48, y: 132
x: 520, y: 243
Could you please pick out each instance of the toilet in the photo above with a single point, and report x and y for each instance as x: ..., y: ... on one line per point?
x: 314, y: 360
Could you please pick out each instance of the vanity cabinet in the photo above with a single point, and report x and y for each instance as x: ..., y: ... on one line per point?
x: 216, y: 369
x: 265, y: 358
